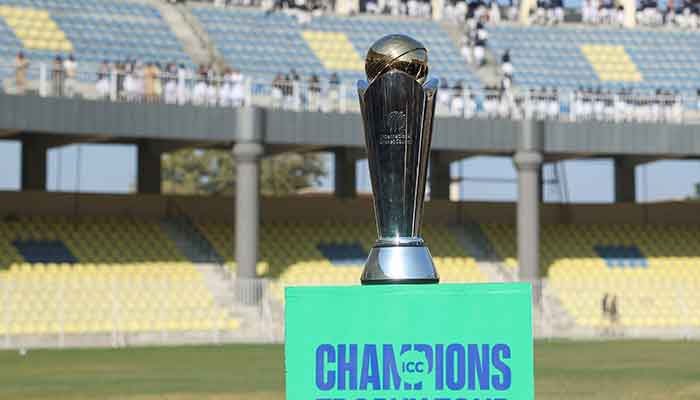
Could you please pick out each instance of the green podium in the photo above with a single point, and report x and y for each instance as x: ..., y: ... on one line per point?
x: 422, y: 342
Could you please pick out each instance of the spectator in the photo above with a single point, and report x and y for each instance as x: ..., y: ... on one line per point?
x: 480, y: 44
x: 158, y: 74
x: 288, y: 91
x: 494, y: 13
x: 237, y: 89
x: 444, y: 96
x: 225, y: 89
x: 278, y: 88
x: 604, y: 306
x: 614, y: 316
x: 199, y: 93
x: 120, y: 70
x: 457, y: 103
x: 183, y: 77
x: 513, y: 10
x: 170, y: 90
x: 138, y: 76
x: 467, y: 51
x: 70, y: 67
x: 213, y: 92
x: 555, y: 14
x: 589, y: 11
x: 149, y: 78
x: 333, y: 91
x: 57, y: 76
x: 506, y: 65
x: 21, y: 67
x: 102, y: 87
x: 469, y: 106
x: 314, y: 93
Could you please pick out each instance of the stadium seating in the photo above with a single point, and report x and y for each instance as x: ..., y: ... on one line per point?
x: 653, y: 270
x: 325, y: 45
x: 93, y: 30
x: 293, y: 253
x: 569, y: 57
x: 126, y: 277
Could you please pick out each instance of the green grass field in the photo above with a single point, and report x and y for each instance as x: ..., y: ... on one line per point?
x: 564, y: 370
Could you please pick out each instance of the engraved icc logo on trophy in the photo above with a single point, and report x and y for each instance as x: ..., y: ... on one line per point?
x: 395, y: 129
x: 397, y: 111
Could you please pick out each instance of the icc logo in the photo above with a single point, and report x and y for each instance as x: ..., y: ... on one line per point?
x: 396, y: 122
x: 415, y: 366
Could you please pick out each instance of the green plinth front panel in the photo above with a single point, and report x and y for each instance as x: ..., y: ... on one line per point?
x: 422, y: 342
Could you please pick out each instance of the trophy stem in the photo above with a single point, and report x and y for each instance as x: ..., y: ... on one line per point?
x: 397, y: 113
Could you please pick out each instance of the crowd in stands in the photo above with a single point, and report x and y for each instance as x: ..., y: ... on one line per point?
x: 684, y: 14
x: 136, y: 81
x: 411, y: 8
x: 551, y: 104
x: 289, y: 91
x: 474, y: 43
x: 679, y: 13
x: 63, y: 75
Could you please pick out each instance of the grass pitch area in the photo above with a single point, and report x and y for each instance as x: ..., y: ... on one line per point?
x: 564, y: 370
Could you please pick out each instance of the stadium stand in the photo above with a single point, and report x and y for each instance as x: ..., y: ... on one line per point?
x: 325, y: 45
x: 577, y: 56
x: 651, y: 269
x: 99, y: 275
x: 93, y: 30
x: 302, y: 260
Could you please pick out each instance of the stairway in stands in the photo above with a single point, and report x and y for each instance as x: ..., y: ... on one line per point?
x: 475, y: 243
x: 490, y: 72
x: 218, y: 279
x: 549, y: 318
x: 180, y: 21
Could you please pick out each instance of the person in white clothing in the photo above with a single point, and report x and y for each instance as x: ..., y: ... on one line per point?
x: 469, y: 107
x: 444, y: 95
x: 183, y: 77
x: 225, y: 90
x: 170, y: 91
x: 102, y: 86
x: 237, y: 94
x: 212, y: 94
x: 70, y: 68
x: 199, y: 93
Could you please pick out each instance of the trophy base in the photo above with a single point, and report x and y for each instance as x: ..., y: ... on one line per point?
x: 399, y: 265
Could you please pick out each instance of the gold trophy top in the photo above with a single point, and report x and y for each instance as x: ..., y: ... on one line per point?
x: 397, y: 52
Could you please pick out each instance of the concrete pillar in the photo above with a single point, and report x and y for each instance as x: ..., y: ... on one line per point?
x: 247, y: 157
x: 33, y: 168
x: 528, y: 162
x: 345, y: 182
x: 625, y: 182
x: 148, y: 169
x: 439, y: 176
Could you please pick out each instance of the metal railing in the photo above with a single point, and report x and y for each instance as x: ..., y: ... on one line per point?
x: 186, y: 87
x: 660, y: 308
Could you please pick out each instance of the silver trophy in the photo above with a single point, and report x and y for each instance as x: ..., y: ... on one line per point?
x: 397, y: 111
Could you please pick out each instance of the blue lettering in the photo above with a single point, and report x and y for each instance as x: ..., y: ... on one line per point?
x: 419, y: 367
x: 439, y: 379
x: 389, y: 371
x: 499, y: 353
x: 479, y: 366
x: 370, y: 368
x: 347, y: 368
x: 324, y: 381
x: 454, y: 360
